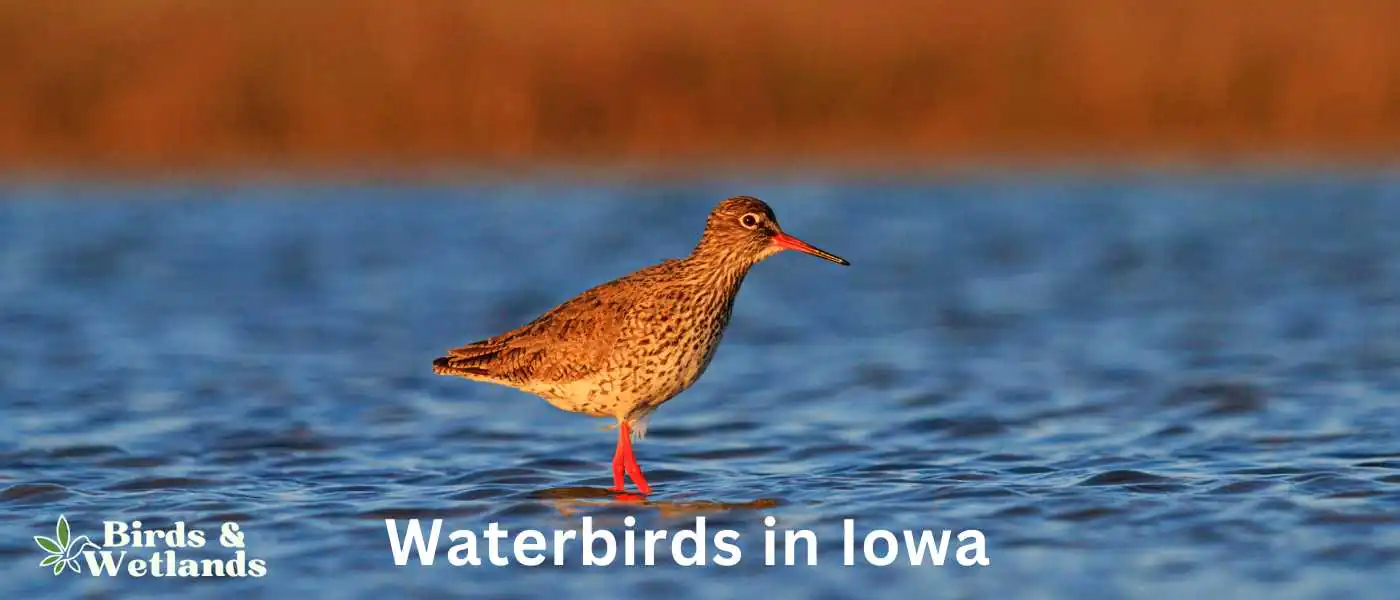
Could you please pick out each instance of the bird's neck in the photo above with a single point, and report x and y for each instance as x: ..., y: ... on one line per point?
x: 718, y: 265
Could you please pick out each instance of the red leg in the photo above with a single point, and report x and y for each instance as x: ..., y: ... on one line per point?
x: 629, y: 460
x: 617, y: 463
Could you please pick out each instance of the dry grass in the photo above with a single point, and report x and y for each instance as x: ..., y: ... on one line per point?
x: 171, y: 83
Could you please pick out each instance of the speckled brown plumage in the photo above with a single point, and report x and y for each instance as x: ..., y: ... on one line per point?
x: 625, y: 347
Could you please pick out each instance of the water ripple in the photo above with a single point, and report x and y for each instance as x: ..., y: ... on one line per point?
x: 1136, y: 388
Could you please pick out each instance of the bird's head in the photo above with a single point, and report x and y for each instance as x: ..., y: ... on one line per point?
x: 745, y: 228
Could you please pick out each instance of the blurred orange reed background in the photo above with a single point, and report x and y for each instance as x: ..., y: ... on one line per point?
x: 198, y: 83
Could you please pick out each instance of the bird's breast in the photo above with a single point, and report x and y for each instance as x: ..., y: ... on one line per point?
x: 675, y: 341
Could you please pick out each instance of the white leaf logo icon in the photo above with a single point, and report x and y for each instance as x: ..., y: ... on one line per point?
x: 64, y: 552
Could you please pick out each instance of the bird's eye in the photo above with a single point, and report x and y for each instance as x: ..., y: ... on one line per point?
x: 749, y: 221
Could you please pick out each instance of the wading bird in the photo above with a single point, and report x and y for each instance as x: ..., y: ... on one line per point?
x: 625, y: 347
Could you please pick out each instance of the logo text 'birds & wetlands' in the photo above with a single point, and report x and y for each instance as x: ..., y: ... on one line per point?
x: 129, y: 550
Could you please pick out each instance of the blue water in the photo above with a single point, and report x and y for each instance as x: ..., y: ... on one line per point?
x: 1133, y: 386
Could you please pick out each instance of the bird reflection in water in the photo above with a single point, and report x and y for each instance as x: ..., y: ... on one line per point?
x: 571, y: 500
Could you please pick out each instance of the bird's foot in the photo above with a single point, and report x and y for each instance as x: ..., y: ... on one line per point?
x: 629, y: 498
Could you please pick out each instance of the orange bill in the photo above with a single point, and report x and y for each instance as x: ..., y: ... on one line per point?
x: 787, y: 242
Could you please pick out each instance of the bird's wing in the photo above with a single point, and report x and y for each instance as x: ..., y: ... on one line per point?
x: 566, y: 344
